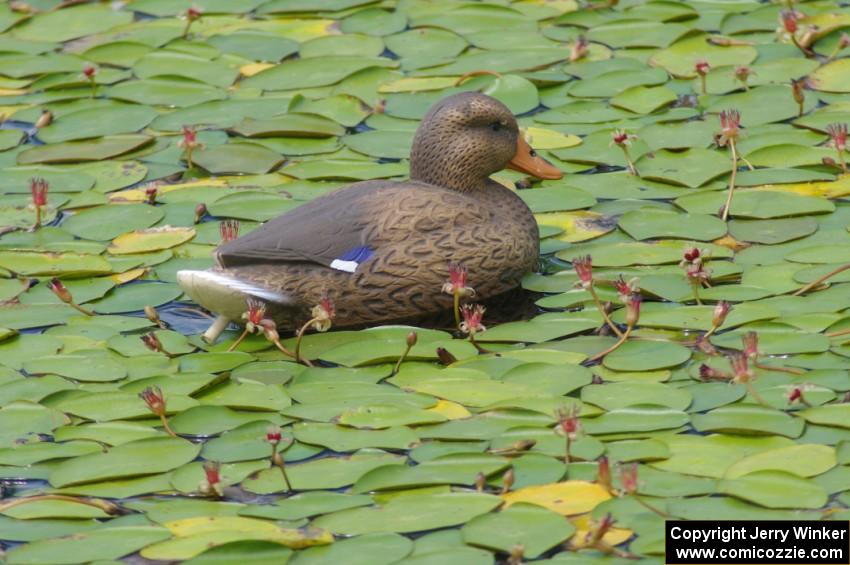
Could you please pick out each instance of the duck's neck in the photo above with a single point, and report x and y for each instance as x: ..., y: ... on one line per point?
x: 445, y: 178
x: 442, y: 168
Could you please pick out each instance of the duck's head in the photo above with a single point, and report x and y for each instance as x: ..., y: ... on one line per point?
x: 467, y: 137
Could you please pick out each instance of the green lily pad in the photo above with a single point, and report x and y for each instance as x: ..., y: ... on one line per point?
x: 650, y: 223
x: 775, y: 489
x: 646, y: 356
x: 412, y: 513
x: 80, y: 151
x: 537, y: 529
x: 692, y: 168
x: 106, y: 543
x: 749, y: 418
x: 237, y: 158
x: 142, y: 457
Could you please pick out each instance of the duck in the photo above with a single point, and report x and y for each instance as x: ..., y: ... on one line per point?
x: 381, y: 250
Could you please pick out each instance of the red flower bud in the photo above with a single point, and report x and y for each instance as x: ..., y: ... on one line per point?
x: 721, y: 310
x: 584, y: 270
x: 155, y: 400
x: 56, y: 286
x: 39, y: 189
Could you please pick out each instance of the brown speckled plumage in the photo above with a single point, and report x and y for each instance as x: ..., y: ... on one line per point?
x: 450, y: 211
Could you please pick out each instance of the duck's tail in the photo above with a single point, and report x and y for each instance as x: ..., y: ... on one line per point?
x: 225, y: 295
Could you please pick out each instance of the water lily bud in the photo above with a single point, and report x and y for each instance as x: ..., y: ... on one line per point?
x: 152, y: 315
x: 200, y: 212
x: 798, y: 90
x: 445, y: 357
x: 603, y: 472
x: 21, y: 7
x: 517, y: 554
x: 508, y: 480
x: 524, y: 444
x: 155, y: 400
x: 150, y: 194
x: 45, y: 119
x: 829, y: 162
x: 273, y: 434
x: 633, y: 310
x: 584, y: 270
x: 750, y: 341
x: 56, y: 286
x: 710, y: 373
x: 480, y: 482
x: 412, y: 338
x: 152, y: 342
x: 721, y: 310
x: 629, y: 477
x: 795, y: 395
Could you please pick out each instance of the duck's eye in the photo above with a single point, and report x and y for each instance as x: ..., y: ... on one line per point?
x: 496, y: 126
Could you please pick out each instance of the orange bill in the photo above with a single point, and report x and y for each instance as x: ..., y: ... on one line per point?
x: 526, y: 160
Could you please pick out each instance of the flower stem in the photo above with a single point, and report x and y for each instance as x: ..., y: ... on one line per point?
x: 842, y: 160
x: 780, y: 369
x: 282, y: 349
x: 602, y: 311
x: 299, y: 337
x: 695, y: 288
x: 710, y: 332
x: 80, y: 309
x: 456, y: 295
x: 37, y: 218
x: 817, y: 282
x: 631, y: 165
x: 620, y: 342
x: 732, y: 178
x: 277, y: 460
x: 238, y: 341
x: 165, y: 425
x: 189, y: 164
x: 649, y: 506
x: 702, y: 84
x: 401, y: 360
x: 479, y: 347
x: 756, y: 395
x: 567, y: 457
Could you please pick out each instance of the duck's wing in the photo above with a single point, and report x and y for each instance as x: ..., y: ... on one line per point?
x: 331, y: 230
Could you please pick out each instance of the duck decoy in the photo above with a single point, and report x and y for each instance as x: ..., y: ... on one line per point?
x: 381, y: 249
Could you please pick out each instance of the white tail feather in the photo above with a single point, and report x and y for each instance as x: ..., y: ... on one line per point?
x: 236, y: 285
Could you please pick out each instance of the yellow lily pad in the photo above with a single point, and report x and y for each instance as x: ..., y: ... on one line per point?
x: 254, y: 68
x: 417, y: 84
x: 579, y: 225
x: 127, y: 276
x: 584, y: 524
x: 822, y: 189
x: 542, y: 138
x: 567, y: 498
x: 183, y: 548
x: 205, y: 524
x: 832, y: 77
x: 153, y: 239
x: 451, y: 410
